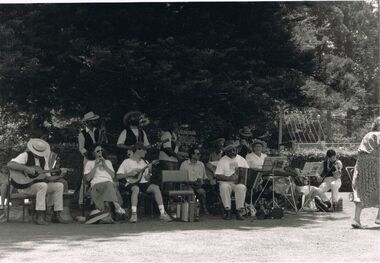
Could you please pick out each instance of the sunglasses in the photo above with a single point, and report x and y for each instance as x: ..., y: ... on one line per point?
x: 99, y: 151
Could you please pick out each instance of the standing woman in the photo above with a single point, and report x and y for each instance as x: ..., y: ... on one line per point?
x: 168, y: 155
x: 366, y: 175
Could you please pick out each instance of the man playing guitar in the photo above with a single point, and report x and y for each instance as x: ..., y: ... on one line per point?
x: 135, y: 171
x: 34, y: 162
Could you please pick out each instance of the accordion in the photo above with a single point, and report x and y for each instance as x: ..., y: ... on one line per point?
x: 247, y: 176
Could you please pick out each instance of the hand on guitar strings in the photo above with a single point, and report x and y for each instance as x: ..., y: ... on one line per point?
x: 30, y: 170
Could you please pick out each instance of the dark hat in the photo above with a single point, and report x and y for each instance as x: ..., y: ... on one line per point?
x: 139, y: 146
x: 229, y: 145
x: 192, y: 150
x: 130, y: 114
x: 246, y: 132
x: 219, y: 140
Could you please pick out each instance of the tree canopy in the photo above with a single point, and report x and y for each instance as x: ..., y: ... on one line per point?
x: 214, y: 66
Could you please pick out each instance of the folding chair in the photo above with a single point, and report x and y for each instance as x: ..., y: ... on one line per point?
x: 350, y: 172
x: 310, y: 169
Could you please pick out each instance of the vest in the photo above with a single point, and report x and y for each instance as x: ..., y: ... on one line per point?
x: 88, y: 143
x: 328, y: 171
x: 32, y: 162
x: 130, y: 137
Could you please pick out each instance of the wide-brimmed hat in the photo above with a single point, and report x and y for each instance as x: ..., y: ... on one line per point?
x: 129, y: 114
x: 39, y: 147
x: 246, y: 132
x: 95, y: 216
x: 257, y: 141
x: 90, y: 116
x: 229, y: 145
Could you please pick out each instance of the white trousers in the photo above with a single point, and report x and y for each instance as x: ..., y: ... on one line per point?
x: 225, y: 190
x: 46, y: 192
x: 330, y: 183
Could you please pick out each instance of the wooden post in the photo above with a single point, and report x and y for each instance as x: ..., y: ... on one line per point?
x: 280, y: 121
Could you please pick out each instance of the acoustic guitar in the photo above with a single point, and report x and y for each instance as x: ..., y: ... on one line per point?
x: 22, y: 180
x: 135, y: 179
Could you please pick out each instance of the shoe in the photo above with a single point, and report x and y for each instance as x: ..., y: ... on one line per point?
x: 356, y: 225
x: 322, y: 206
x: 133, y: 218
x: 120, y: 211
x: 227, y: 214
x: 165, y: 218
x: 40, y: 220
x: 239, y: 215
x: 206, y: 212
x: 57, y: 218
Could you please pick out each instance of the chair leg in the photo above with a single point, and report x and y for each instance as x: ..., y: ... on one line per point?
x: 8, y: 208
x: 23, y: 210
x: 9, y: 199
x: 151, y: 207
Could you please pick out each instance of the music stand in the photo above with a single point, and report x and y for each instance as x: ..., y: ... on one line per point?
x: 269, y: 166
x: 310, y: 169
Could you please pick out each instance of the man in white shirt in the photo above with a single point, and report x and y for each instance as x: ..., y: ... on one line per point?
x: 225, y: 173
x: 136, y: 167
x: 27, y: 162
x: 256, y: 159
x: 197, y: 174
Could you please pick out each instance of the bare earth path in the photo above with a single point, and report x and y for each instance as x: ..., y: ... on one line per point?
x: 308, y: 237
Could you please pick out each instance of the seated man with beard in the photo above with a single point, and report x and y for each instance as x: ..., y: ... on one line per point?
x: 225, y: 173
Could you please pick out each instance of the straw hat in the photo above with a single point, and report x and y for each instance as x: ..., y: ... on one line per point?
x: 39, y: 147
x: 90, y: 116
x: 257, y: 141
x: 95, y: 216
x: 246, y: 132
x: 229, y: 145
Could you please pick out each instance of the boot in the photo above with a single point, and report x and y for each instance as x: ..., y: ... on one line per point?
x: 40, y: 218
x: 57, y: 218
x: 239, y: 214
x: 227, y: 214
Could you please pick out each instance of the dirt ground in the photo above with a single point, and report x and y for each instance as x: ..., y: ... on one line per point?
x: 306, y: 237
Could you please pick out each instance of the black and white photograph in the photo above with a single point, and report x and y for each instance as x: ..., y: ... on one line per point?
x: 189, y: 131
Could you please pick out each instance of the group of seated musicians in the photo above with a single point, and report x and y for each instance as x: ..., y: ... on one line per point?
x: 223, y: 162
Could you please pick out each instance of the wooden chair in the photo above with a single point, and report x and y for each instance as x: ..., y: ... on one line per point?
x: 12, y: 198
x: 177, y: 179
